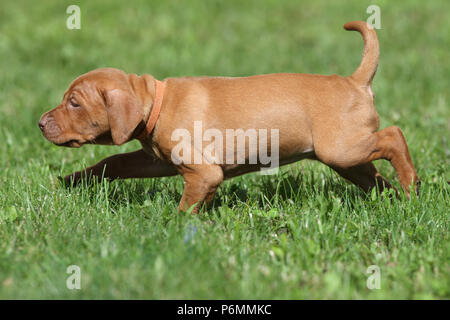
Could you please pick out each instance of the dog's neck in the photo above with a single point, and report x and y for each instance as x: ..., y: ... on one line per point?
x: 151, y: 100
x: 148, y: 97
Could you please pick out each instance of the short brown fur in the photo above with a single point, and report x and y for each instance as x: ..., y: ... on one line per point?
x: 328, y: 118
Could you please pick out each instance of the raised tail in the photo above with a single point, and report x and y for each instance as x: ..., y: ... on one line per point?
x: 369, y: 63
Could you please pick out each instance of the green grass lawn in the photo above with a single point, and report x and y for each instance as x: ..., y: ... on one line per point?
x: 304, y: 233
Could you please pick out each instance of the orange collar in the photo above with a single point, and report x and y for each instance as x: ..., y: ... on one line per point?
x: 156, y: 109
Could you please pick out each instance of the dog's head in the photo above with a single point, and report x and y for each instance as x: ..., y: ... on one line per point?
x: 104, y: 106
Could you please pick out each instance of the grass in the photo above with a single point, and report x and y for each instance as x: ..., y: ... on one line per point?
x: 302, y: 234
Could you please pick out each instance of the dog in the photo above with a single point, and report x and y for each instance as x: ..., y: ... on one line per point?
x: 329, y: 118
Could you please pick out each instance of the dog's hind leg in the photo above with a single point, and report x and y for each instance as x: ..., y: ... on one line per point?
x: 360, y: 147
x: 364, y: 176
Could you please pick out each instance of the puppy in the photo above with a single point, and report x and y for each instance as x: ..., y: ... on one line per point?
x: 190, y: 125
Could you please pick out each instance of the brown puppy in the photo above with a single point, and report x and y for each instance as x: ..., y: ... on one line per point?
x: 328, y: 118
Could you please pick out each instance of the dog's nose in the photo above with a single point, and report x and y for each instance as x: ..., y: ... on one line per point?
x: 42, y: 124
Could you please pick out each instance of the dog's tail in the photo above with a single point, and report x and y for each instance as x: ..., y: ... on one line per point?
x: 369, y: 63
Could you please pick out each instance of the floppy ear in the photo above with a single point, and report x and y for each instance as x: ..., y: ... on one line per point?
x: 124, y: 114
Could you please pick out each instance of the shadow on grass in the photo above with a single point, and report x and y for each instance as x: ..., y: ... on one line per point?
x: 123, y: 192
x: 267, y: 189
x: 292, y: 188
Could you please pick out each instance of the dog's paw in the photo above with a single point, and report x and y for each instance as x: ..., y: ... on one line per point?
x: 417, y: 186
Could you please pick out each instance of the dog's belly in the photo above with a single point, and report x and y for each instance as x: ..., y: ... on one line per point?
x: 233, y: 170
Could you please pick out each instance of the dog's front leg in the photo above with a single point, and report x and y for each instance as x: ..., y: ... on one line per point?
x: 137, y: 164
x: 200, y: 185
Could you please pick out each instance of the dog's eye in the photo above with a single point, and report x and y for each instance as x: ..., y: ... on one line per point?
x: 74, y: 104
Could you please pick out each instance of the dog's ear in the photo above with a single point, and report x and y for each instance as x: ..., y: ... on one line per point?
x: 124, y: 114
